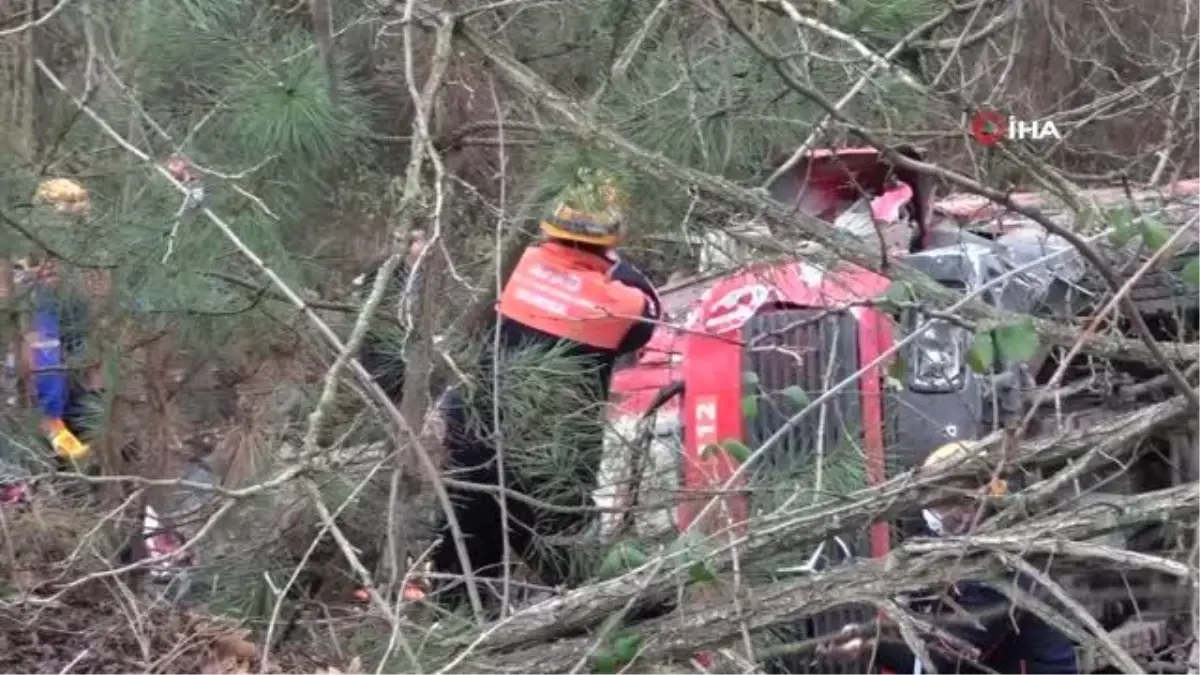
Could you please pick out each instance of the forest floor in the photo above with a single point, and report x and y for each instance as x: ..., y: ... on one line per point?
x: 94, y: 632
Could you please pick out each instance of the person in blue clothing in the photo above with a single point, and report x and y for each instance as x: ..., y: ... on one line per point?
x: 55, y: 332
x: 1006, y: 639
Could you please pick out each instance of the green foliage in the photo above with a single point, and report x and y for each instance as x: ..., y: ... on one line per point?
x: 595, y: 190
x: 551, y: 418
x: 278, y: 106
x: 888, y: 19
x: 898, y: 293
x: 709, y: 104
x: 736, y: 450
x: 694, y: 554
x: 750, y: 406
x: 713, y: 104
x: 1018, y: 341
x: 1121, y: 223
x: 626, y: 646
x: 1010, y: 343
x: 1191, y: 273
x: 1125, y: 224
x: 838, y: 469
x: 550, y: 432
x: 750, y: 398
x: 699, y: 97
x: 701, y: 572
x: 796, y: 394
x: 562, y: 164
x: 17, y: 183
x: 1154, y: 233
x: 981, y: 356
x: 258, y: 84
x: 239, y: 88
x: 617, y: 652
x: 183, y: 48
x: 623, y: 557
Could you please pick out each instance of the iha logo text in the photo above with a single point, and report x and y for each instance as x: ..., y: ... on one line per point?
x: 989, y: 127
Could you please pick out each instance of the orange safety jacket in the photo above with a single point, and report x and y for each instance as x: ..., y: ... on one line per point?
x: 569, y: 293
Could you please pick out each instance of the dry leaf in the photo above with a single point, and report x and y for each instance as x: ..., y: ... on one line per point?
x: 27, y: 581
x: 235, y: 645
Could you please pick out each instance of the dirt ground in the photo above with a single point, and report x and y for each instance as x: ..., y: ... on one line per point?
x: 102, y: 626
x: 115, y: 635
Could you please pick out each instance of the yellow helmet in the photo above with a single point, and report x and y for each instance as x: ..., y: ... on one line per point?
x: 591, y: 212
x: 957, y: 452
x: 66, y: 195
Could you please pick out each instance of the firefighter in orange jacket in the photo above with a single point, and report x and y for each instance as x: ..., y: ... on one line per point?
x: 573, y: 294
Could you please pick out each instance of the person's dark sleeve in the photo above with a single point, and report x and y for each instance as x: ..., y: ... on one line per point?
x: 989, y: 608
x: 640, y: 333
x: 631, y: 276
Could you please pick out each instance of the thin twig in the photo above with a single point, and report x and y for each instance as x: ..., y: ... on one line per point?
x: 34, y: 23
x: 497, y: 360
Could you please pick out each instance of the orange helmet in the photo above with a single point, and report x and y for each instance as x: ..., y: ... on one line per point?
x: 593, y: 211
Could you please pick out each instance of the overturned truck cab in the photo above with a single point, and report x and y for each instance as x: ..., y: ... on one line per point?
x: 789, y: 365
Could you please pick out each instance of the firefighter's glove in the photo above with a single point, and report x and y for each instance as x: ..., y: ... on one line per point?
x: 66, y: 444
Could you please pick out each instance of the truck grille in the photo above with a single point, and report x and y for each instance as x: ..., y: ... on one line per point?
x: 812, y: 349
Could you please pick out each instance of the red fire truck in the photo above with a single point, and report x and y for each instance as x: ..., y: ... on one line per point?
x: 750, y: 347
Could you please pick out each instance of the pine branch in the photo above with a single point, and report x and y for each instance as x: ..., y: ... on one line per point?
x: 708, y: 624
x: 322, y: 18
x: 795, y: 529
x: 34, y: 23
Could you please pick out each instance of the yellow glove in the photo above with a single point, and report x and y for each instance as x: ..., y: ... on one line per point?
x: 65, y: 443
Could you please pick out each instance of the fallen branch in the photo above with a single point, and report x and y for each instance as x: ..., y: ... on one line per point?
x: 680, y: 635
x: 709, y: 624
x: 781, y: 532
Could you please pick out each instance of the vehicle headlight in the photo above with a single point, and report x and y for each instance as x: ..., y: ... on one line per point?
x: 938, y: 357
